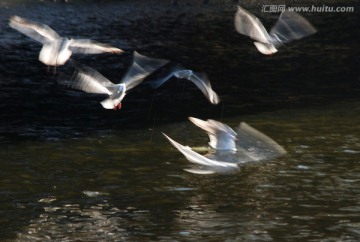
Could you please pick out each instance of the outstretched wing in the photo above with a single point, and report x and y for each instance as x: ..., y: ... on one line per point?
x: 202, y: 82
x: 141, y: 67
x: 91, y: 81
x: 256, y: 144
x: 165, y: 75
x: 291, y: 26
x: 34, y: 30
x: 222, y: 137
x: 199, y: 79
x: 86, y: 46
x: 196, y: 158
x: 248, y: 24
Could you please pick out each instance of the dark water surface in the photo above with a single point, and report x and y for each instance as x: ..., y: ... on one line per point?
x: 72, y: 171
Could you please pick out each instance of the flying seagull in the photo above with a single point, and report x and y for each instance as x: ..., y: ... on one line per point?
x: 91, y: 81
x: 290, y: 26
x: 199, y: 79
x: 230, y: 148
x: 57, y: 50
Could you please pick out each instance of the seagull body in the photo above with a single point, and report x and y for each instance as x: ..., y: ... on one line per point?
x: 290, y: 26
x: 221, y: 136
x: 229, y: 148
x: 209, y: 165
x: 91, y: 81
x: 199, y: 79
x: 57, y: 50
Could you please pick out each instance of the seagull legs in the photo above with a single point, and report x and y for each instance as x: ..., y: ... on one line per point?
x: 118, y: 107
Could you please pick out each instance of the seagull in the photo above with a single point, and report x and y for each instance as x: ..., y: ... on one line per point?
x: 199, y: 79
x: 290, y: 26
x: 209, y: 166
x: 229, y: 148
x: 91, y: 81
x: 57, y: 50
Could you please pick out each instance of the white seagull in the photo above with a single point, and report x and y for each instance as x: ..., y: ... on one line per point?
x: 199, y: 79
x: 290, y: 26
x: 91, y: 81
x: 229, y: 148
x: 57, y: 50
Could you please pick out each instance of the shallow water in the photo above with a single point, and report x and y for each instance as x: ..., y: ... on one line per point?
x: 71, y: 171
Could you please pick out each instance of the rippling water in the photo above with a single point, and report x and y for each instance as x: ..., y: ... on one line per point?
x: 130, y: 185
x: 71, y: 171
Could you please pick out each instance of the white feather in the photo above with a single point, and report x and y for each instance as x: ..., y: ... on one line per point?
x: 222, y: 137
x: 197, y: 158
x: 290, y: 26
x: 248, y: 24
x: 199, y: 79
x: 87, y: 46
x: 266, y: 49
x: 108, y: 103
x: 57, y: 50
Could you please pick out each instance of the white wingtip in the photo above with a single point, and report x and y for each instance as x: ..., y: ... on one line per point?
x: 266, y: 49
x: 116, y: 51
x: 200, y: 172
x: 17, y: 19
x: 213, y: 97
x: 197, y: 122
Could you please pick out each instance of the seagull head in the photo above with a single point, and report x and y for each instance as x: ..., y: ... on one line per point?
x: 118, y: 95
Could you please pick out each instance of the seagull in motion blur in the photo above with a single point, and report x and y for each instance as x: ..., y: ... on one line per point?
x: 229, y: 148
x: 290, y: 26
x: 91, y: 81
x: 57, y: 50
x: 199, y: 79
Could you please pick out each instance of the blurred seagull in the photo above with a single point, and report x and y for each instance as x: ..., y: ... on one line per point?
x: 290, y: 26
x: 199, y: 79
x: 208, y: 166
x: 230, y: 148
x: 91, y: 81
x: 57, y: 50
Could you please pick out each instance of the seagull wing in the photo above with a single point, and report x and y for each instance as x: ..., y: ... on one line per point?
x: 248, y: 24
x: 34, y: 30
x: 291, y: 26
x: 200, y: 171
x: 257, y: 145
x: 196, y: 158
x: 266, y: 49
x: 87, y: 46
x: 165, y: 75
x: 141, y: 67
x: 222, y: 137
x: 202, y: 82
x: 91, y: 81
